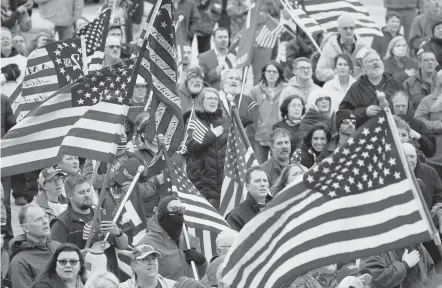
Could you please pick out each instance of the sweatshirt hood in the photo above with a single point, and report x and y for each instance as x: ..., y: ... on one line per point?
x: 313, y: 97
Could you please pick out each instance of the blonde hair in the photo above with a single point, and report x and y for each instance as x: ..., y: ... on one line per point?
x: 99, y: 280
x: 392, y: 44
x: 199, y: 103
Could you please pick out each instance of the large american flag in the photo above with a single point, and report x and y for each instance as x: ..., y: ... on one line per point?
x: 95, y: 34
x: 356, y: 203
x: 202, y: 220
x: 48, y: 69
x: 34, y: 143
x: 239, y: 158
x: 326, y: 13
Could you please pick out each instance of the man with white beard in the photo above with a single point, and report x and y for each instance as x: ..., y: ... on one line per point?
x: 231, y: 81
x: 191, y: 87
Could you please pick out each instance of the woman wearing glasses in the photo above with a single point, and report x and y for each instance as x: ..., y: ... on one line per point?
x: 65, y: 268
x: 266, y: 95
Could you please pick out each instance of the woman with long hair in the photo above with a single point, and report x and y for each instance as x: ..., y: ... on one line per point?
x: 289, y: 174
x: 397, y: 60
x: 266, y: 95
x: 65, y: 268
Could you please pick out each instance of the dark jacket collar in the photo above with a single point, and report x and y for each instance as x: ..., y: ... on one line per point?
x: 252, y: 202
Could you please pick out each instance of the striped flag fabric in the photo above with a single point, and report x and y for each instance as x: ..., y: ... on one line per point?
x: 95, y: 34
x: 35, y: 142
x: 201, y: 218
x: 356, y: 203
x: 269, y: 33
x: 302, y: 19
x: 48, y: 69
x: 326, y: 13
x: 239, y: 158
x: 195, y: 129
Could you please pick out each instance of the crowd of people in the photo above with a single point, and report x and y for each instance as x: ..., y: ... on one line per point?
x: 303, y: 105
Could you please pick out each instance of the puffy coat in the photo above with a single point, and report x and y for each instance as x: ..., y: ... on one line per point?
x: 380, y: 43
x: 363, y: 94
x: 7, y: 117
x: 172, y: 263
x: 391, y: 67
x: 417, y: 88
x: 205, y: 166
x: 60, y: 12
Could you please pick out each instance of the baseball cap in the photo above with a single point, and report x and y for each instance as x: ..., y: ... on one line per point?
x: 142, y: 251
x: 127, y: 171
x: 49, y: 173
x: 355, y: 282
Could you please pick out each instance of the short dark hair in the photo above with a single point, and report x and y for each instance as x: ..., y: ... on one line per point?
x: 284, y: 108
x: 220, y: 29
x: 250, y: 171
x: 300, y: 59
x: 24, y: 211
x: 390, y: 15
x: 318, y: 126
x: 423, y: 51
x: 278, y: 132
x: 72, y: 181
x: 346, y: 58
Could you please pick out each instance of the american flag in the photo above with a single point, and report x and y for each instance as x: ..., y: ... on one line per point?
x: 195, y: 129
x: 239, y: 158
x: 303, y: 20
x: 356, y: 203
x: 269, y: 33
x: 326, y: 13
x: 48, y: 69
x: 202, y: 220
x: 95, y: 34
x: 35, y: 142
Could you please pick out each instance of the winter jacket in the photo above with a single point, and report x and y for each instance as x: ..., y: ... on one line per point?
x: 305, y: 156
x: 435, y: 45
x: 417, y: 88
x: 363, y: 94
x: 295, y: 88
x: 28, y: 259
x: 51, y: 281
x: 60, y: 12
x: 324, y: 70
x: 164, y: 282
x: 268, y: 107
x: 7, y: 118
x: 391, y: 67
x: 9, y: 87
x: 172, y: 264
x: 334, y: 89
x: 273, y: 169
x: 187, y: 100
x: 430, y: 112
x: 380, y: 43
x: 389, y: 271
x: 42, y: 201
x: 188, y: 9
x: 205, y: 166
x: 295, y: 136
x: 402, y: 5
x: 422, y: 28
x: 244, y: 212
x: 210, y: 12
x: 433, y: 192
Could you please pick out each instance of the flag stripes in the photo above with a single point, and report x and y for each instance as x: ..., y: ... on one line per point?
x: 207, y: 239
x: 267, y: 37
x: 303, y: 19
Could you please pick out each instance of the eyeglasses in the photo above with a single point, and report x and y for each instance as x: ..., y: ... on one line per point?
x: 176, y: 209
x: 305, y: 68
x: 272, y: 72
x: 56, y: 179
x: 351, y: 28
x: 65, y: 262
x: 349, y: 121
x: 114, y: 46
x: 322, y: 99
x: 209, y: 99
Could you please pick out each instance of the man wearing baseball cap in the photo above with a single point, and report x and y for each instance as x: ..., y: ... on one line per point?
x: 51, y: 196
x: 145, y: 269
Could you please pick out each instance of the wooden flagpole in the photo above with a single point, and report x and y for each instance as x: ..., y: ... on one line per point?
x: 84, y: 55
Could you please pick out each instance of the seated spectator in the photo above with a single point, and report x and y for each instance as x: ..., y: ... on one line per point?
x: 289, y: 174
x: 391, y: 30
x: 102, y: 280
x: 361, y: 98
x: 434, y: 44
x: 342, y: 81
x: 423, y: 24
x: 80, y: 22
x: 30, y: 251
x: 145, y: 268
x: 292, y: 111
x: 314, y: 142
x: 51, y: 197
x: 319, y: 108
x: 13, y: 64
x: 424, y: 81
x: 190, y: 88
x: 420, y: 136
x: 404, y: 267
x: 65, y: 268
x: 346, y: 41
x: 397, y: 61
x: 165, y: 234
x: 257, y: 185
x: 280, y: 147
x: 301, y: 84
x: 205, y: 166
x: 266, y: 94
x: 19, y: 43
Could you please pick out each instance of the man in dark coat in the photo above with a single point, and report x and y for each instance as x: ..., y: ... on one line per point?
x: 361, y: 98
x: 420, y: 135
x: 257, y: 184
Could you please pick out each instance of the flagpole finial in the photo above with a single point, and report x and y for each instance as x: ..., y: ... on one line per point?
x: 140, y: 169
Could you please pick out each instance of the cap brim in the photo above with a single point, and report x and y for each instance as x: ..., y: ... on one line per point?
x: 366, y: 279
x: 144, y: 255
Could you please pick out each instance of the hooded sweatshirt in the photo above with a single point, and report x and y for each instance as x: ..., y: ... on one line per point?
x: 363, y: 94
x: 9, y: 87
x: 294, y: 87
x: 28, y: 259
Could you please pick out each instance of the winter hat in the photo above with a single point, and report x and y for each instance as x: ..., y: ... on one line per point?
x: 184, y: 282
x: 342, y: 115
x: 195, y: 71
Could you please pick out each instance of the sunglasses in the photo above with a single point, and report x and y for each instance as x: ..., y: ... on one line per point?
x: 65, y: 262
x: 114, y: 46
x: 349, y: 121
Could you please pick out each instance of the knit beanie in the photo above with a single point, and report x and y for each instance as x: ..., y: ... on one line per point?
x: 195, y: 71
x: 342, y: 115
x: 184, y: 282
